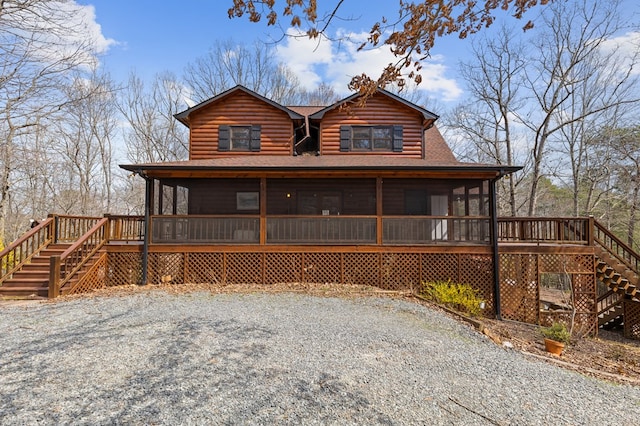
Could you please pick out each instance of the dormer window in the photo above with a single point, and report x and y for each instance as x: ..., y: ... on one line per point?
x: 371, y: 138
x: 239, y: 138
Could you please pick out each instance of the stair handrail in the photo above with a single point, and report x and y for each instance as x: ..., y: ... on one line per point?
x: 616, y: 247
x: 25, y: 248
x: 608, y: 300
x: 64, y: 266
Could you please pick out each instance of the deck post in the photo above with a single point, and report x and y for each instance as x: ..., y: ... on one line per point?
x: 262, y: 236
x: 54, y: 277
x: 55, y: 227
x: 494, y: 242
x: 148, y: 205
x: 379, y: 224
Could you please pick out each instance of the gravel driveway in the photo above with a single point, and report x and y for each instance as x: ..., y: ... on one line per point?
x: 257, y: 358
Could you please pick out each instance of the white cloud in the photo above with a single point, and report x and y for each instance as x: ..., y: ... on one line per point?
x: 626, y: 48
x: 336, y: 62
x: 69, y: 30
x: 87, y: 14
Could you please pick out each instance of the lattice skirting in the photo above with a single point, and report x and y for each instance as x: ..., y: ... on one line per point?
x: 93, y: 279
x: 520, y: 289
x: 124, y: 269
x: 392, y: 271
x: 519, y: 275
x: 631, y: 319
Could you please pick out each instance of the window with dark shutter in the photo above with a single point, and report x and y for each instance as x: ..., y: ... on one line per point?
x: 345, y: 138
x: 224, y: 138
x: 371, y: 138
x: 255, y: 138
x: 397, y: 138
x: 239, y: 138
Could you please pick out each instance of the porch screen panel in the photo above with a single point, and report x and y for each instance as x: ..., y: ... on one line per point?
x: 439, y: 207
x: 220, y: 196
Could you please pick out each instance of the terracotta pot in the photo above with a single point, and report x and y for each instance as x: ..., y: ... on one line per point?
x: 553, y: 347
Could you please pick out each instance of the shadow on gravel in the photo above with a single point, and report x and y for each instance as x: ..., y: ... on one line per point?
x: 186, y: 369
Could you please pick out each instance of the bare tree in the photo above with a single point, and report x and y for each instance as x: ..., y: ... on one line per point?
x: 410, y: 35
x: 41, y: 42
x: 228, y: 64
x: 570, y: 79
x: 153, y: 134
x: 548, y: 101
x: 322, y: 95
x: 87, y: 130
x: 494, y: 79
x: 626, y: 171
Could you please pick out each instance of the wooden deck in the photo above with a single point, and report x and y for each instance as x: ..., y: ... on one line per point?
x: 100, y: 252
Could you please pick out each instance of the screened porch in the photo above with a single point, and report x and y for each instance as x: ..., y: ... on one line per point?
x: 333, y: 211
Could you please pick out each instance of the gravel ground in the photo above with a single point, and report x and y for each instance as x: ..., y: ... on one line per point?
x: 203, y: 358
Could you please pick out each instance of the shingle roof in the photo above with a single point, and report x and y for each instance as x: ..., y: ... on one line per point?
x: 304, y: 109
x: 321, y: 162
x: 435, y: 147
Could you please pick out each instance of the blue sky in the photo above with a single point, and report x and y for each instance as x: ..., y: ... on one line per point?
x: 155, y: 36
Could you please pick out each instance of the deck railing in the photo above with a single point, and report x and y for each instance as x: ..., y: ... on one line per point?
x: 321, y: 230
x: 64, y: 267
x: 205, y: 229
x: 25, y: 248
x: 196, y: 229
x: 435, y: 229
x: 545, y: 230
x: 126, y: 228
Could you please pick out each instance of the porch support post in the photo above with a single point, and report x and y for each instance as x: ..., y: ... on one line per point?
x: 148, y: 210
x: 263, y: 211
x: 175, y: 200
x: 493, y: 229
x: 379, y: 211
x: 160, y: 197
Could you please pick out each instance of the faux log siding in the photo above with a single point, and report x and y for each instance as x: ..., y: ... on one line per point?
x: 239, y: 109
x: 379, y: 111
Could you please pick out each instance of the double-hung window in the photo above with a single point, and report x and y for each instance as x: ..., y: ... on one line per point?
x: 371, y: 138
x: 239, y: 138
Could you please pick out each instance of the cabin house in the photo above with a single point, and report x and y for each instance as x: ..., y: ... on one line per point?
x: 347, y: 193
x: 354, y: 193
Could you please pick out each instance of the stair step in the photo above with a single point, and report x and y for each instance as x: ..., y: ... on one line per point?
x: 34, y: 274
x: 26, y: 282
x: 24, y: 292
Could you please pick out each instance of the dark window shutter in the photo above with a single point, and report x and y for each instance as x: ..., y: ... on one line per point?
x: 255, y: 138
x: 223, y: 138
x: 345, y: 138
x: 397, y: 138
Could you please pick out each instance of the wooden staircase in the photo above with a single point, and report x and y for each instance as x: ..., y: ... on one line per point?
x: 32, y: 280
x: 52, y: 258
x: 616, y: 268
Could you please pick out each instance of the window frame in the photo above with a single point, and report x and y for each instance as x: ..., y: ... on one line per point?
x: 348, y: 140
x: 226, y: 137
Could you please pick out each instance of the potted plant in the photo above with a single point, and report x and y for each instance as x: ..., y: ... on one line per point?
x: 556, y: 337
